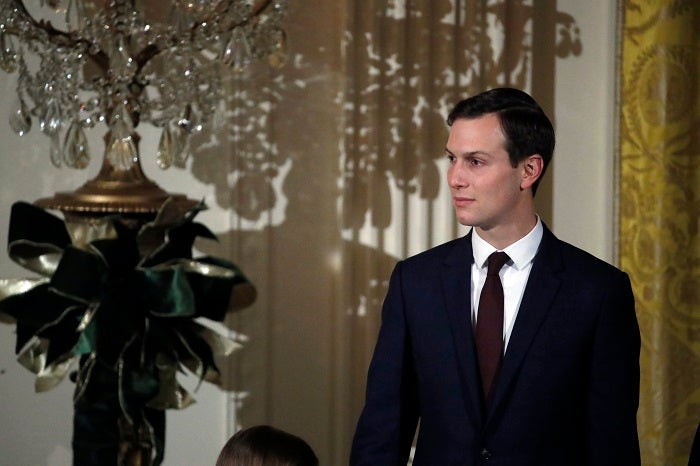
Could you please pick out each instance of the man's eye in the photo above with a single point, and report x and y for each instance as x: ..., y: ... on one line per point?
x: 451, y: 158
x: 475, y: 162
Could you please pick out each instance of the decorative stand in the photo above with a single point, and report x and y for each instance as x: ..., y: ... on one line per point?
x: 118, y: 298
x: 103, y: 434
x: 119, y: 288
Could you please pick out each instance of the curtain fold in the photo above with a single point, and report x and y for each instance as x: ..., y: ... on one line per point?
x: 658, y: 216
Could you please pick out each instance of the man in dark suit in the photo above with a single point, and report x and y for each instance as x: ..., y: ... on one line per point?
x: 561, y: 387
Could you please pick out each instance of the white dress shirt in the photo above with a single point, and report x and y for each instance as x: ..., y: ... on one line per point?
x: 514, y: 273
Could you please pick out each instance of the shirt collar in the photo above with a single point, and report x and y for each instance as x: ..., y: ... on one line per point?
x: 521, y: 253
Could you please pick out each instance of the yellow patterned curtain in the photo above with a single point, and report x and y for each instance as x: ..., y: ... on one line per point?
x: 659, y: 225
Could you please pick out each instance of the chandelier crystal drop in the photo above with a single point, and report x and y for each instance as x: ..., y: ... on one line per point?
x: 121, y: 62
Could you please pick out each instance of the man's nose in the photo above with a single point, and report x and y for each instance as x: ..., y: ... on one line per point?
x: 455, y: 177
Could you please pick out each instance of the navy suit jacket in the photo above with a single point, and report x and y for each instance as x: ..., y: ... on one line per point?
x: 568, y: 390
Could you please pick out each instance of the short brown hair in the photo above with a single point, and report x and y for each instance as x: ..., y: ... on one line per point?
x: 526, y: 127
x: 266, y: 446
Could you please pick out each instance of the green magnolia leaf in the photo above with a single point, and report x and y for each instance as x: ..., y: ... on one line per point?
x: 87, y: 340
x: 119, y: 254
x: 35, y: 233
x: 80, y: 275
x: 167, y: 292
x: 62, y: 335
x: 195, y: 353
x: 33, y: 310
x: 140, y: 385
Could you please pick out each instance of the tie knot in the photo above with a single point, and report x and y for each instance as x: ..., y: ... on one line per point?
x: 496, y: 261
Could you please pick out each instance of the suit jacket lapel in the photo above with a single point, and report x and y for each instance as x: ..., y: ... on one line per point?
x: 456, y: 283
x: 541, y: 288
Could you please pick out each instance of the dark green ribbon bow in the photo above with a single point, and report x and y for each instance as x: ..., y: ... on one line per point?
x: 125, y: 297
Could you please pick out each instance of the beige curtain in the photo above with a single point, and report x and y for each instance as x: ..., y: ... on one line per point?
x: 659, y: 223
x: 336, y: 171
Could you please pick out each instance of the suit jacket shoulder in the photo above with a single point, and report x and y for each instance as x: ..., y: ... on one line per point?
x: 572, y: 262
x: 454, y: 251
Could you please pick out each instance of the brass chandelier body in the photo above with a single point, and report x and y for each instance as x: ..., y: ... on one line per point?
x: 123, y: 62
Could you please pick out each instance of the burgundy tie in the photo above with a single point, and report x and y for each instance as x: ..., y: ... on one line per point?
x: 489, y: 324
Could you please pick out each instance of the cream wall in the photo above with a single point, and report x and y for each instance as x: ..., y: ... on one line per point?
x: 583, y: 178
x: 38, y: 426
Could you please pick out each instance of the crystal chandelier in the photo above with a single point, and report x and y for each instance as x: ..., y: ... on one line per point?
x: 122, y: 62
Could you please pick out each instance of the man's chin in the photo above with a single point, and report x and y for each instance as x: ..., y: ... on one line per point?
x: 466, y: 219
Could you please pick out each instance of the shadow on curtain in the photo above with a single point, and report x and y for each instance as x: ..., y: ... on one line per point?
x: 336, y: 171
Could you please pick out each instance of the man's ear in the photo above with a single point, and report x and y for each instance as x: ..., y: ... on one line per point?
x: 531, y: 170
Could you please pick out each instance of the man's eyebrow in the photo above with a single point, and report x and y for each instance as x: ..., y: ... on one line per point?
x: 466, y: 154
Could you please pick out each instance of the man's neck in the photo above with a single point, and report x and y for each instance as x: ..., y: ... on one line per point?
x: 503, y: 236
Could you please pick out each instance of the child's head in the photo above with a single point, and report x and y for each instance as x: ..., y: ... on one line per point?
x: 266, y: 446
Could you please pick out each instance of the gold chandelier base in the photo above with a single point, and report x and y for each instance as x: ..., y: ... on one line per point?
x: 121, y: 189
x: 100, y: 197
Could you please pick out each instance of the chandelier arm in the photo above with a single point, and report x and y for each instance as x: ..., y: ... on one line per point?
x: 262, y: 7
x: 146, y: 55
x: 63, y: 37
x: 101, y: 60
x: 56, y: 36
x: 217, y: 13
